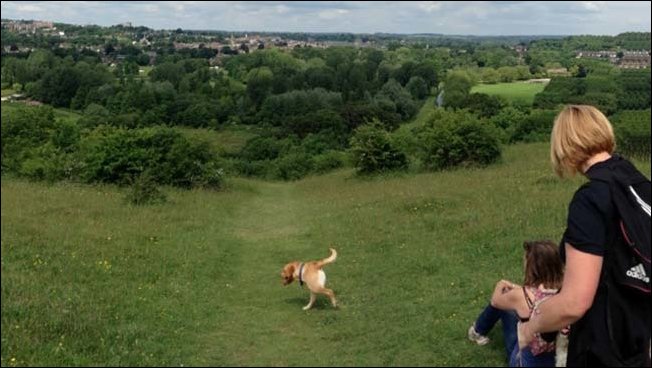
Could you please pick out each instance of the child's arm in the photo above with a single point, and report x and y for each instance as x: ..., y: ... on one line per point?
x: 506, y: 295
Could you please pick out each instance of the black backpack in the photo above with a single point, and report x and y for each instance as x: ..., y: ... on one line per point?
x: 625, y: 279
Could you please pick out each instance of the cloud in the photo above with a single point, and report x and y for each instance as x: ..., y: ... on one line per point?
x: 430, y: 6
x: 448, y: 17
x: 332, y: 13
x: 594, y: 6
x: 30, y: 8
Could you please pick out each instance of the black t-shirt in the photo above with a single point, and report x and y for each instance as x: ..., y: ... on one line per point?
x: 591, y: 218
x: 591, y: 228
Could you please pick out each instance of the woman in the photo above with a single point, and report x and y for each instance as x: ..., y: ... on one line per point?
x: 510, y: 303
x: 582, y: 140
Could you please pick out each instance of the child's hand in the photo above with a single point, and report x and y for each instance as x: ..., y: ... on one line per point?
x: 524, y: 335
x: 505, y: 286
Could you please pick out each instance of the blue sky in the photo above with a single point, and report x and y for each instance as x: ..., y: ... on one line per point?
x: 448, y: 17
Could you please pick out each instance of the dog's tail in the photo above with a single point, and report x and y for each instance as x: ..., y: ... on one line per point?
x: 328, y: 260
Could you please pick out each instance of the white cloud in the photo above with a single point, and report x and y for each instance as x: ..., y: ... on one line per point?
x: 29, y: 8
x: 149, y: 8
x: 594, y: 6
x: 332, y: 13
x: 430, y: 6
x: 282, y: 9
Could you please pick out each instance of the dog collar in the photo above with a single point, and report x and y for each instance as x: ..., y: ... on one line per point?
x: 301, y: 275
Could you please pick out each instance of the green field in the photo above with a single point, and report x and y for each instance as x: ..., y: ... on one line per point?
x: 513, y: 92
x: 90, y: 280
x: 59, y: 113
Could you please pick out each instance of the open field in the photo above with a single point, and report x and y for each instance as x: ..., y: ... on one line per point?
x: 90, y: 280
x: 514, y: 92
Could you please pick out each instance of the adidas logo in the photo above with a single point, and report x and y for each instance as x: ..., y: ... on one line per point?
x: 638, y: 272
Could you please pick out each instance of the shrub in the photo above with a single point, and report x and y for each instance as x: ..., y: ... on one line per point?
x: 449, y: 144
x: 506, y: 122
x: 115, y: 155
x: 144, y: 191
x: 373, y: 151
x: 484, y: 105
x: 24, y: 129
x: 66, y: 135
x: 261, y: 148
x: 328, y: 161
x: 292, y: 166
x: 535, y: 127
x: 632, y: 129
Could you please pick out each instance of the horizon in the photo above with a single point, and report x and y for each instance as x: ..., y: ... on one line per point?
x: 299, y: 32
x: 479, y: 19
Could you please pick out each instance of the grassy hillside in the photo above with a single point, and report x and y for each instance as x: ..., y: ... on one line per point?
x: 514, y: 92
x: 89, y: 280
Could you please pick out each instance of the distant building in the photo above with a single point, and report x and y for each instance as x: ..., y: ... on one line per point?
x: 27, y: 26
x: 635, y: 61
x: 625, y: 59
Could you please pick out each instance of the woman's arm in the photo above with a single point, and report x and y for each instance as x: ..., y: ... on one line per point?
x: 576, y: 297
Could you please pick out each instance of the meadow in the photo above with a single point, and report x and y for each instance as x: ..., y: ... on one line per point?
x: 513, y: 92
x: 91, y: 280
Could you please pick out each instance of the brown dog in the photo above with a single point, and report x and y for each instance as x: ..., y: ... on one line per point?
x: 312, y: 274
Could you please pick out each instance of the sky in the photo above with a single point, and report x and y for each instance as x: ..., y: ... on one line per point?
x: 446, y: 17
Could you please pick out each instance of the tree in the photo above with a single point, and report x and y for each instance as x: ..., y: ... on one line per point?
x: 490, y: 76
x: 417, y: 88
x: 259, y: 84
x: 457, y: 88
x: 483, y: 105
x: 167, y: 71
x: 393, y: 93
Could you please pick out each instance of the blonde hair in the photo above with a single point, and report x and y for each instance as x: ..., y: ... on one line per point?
x: 580, y: 132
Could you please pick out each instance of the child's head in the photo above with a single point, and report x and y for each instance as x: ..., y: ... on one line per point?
x: 542, y: 264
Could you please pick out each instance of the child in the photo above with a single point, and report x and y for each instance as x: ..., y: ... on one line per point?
x: 511, y: 302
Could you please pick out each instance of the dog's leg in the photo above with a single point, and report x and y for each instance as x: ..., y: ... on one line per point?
x: 312, y: 301
x: 330, y: 294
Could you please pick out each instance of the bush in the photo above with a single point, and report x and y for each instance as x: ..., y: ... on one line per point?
x: 632, y: 129
x: 24, y: 129
x: 66, y: 136
x: 328, y: 161
x: 506, y: 122
x: 452, y: 143
x: 536, y: 127
x: 144, y: 191
x: 115, y: 155
x: 292, y: 166
x: 373, y: 151
x: 483, y: 105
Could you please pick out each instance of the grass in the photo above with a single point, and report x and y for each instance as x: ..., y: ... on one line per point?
x: 59, y: 113
x: 227, y: 140
x: 514, y: 92
x: 8, y: 92
x: 90, y: 280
